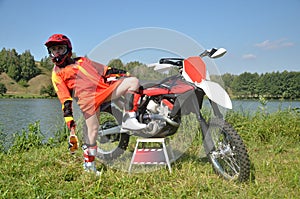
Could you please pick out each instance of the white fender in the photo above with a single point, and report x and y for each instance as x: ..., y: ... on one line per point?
x: 216, y: 93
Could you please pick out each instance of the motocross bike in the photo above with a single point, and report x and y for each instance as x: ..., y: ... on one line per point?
x: 162, y: 107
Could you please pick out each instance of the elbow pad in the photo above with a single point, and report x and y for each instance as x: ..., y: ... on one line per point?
x: 67, y: 109
x: 68, y: 114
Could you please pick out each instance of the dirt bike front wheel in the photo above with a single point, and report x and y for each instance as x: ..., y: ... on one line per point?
x: 112, y: 146
x: 228, y: 156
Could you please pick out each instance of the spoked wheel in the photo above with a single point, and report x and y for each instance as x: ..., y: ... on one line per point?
x: 111, y: 146
x: 228, y: 156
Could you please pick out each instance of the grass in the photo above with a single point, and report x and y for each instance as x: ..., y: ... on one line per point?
x: 48, y: 171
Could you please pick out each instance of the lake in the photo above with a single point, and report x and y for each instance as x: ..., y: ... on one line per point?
x: 17, y: 114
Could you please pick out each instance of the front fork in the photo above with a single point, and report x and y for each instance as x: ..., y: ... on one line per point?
x: 206, y: 136
x: 208, y: 143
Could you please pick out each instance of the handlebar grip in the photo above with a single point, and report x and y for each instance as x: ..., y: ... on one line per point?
x: 165, y: 61
x: 168, y: 61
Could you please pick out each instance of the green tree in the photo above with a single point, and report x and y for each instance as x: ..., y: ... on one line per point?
x: 28, y: 67
x: 3, y: 60
x: 13, y: 68
x: 291, y: 86
x: 116, y: 63
x: 245, y: 84
x: 133, y: 65
x: 228, y: 79
x: 276, y: 85
x: 143, y: 72
x: 46, y: 63
x: 263, y: 85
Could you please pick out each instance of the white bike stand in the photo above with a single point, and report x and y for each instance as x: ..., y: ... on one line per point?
x: 152, y: 156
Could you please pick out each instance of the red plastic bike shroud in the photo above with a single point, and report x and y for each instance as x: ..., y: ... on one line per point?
x: 195, y: 68
x: 179, y: 87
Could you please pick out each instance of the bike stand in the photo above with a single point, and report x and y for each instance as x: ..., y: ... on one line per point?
x: 152, y: 156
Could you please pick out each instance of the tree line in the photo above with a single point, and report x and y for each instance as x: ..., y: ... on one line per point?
x: 276, y: 85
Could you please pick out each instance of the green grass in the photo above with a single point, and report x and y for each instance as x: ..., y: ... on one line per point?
x: 48, y: 171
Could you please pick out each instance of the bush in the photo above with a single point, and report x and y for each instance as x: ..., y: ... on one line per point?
x: 49, y: 90
x: 2, y: 141
x: 23, y: 83
x: 3, y: 89
x: 263, y: 127
x: 33, y: 138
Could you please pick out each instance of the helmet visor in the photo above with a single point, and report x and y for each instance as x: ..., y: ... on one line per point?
x: 57, y: 50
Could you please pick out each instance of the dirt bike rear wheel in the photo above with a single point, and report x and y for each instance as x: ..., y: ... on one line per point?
x: 229, y: 156
x: 110, y: 147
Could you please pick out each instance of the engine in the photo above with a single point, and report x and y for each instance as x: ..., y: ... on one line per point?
x: 157, y: 118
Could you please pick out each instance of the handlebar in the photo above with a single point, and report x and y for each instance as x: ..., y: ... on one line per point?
x: 172, y: 61
x: 211, y: 53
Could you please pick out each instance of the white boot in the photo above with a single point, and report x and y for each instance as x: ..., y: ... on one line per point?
x: 130, y: 122
x: 89, y: 154
x: 91, y: 167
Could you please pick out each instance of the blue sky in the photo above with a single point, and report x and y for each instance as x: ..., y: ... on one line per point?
x: 260, y: 35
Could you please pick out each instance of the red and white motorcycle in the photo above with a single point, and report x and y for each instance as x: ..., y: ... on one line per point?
x: 163, y: 108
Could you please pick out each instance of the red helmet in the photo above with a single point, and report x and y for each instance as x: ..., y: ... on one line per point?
x: 59, y: 39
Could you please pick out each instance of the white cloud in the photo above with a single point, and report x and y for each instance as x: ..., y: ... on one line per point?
x: 268, y: 45
x: 249, y: 56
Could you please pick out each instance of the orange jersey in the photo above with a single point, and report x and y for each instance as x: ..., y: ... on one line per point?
x: 85, y: 81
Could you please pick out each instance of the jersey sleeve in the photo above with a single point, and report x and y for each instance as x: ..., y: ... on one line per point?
x: 65, y: 99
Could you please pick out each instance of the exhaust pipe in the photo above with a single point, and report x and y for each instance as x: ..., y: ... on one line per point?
x: 109, y: 131
x: 161, y: 117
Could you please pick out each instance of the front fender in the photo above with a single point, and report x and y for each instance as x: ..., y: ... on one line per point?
x: 215, y: 93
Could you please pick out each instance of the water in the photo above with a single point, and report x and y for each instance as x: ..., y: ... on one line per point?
x: 250, y: 106
x: 17, y: 114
